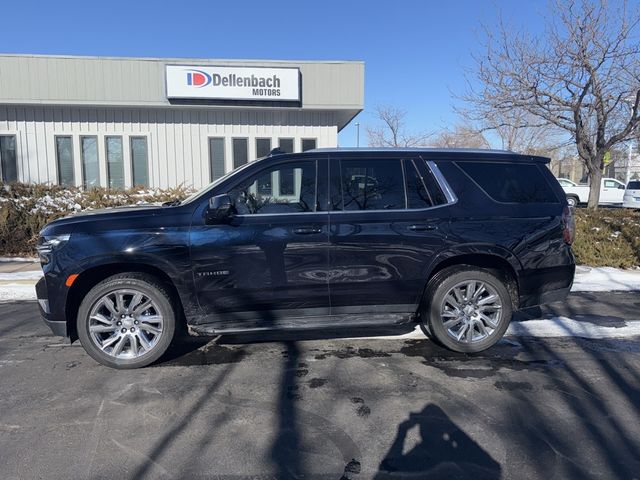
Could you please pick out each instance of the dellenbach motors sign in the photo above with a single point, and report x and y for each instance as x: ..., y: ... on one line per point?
x: 233, y: 83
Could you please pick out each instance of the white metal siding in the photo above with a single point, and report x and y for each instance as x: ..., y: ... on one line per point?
x: 177, y: 137
x: 140, y: 81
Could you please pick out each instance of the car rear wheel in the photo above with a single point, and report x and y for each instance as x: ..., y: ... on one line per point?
x: 126, y: 321
x: 572, y: 201
x: 468, y: 309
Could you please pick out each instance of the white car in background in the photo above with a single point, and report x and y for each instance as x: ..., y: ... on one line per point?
x: 631, y: 197
x: 611, y: 192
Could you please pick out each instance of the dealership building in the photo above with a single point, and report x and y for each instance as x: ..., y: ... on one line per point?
x: 164, y: 122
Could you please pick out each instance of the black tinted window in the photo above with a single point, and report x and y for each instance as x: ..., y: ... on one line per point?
x: 286, y: 188
x: 427, y: 181
x: 417, y: 194
x: 511, y: 183
x: 635, y: 185
x: 372, y: 185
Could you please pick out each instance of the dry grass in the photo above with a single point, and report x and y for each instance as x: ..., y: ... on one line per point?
x: 608, y: 238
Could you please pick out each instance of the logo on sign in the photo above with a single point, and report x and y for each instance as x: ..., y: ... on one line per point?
x: 198, y: 78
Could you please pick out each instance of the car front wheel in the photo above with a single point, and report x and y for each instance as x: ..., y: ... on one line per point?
x: 468, y: 310
x: 126, y: 321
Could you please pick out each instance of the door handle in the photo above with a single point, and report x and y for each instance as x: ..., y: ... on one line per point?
x: 422, y: 227
x: 307, y: 230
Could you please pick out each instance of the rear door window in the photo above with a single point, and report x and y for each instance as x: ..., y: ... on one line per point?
x: 511, y: 182
x: 372, y: 185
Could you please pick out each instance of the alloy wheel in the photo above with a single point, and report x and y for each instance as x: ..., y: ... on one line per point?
x: 125, y: 324
x: 471, y: 311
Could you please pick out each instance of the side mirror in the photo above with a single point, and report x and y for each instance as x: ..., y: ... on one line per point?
x: 622, y: 187
x: 220, y: 210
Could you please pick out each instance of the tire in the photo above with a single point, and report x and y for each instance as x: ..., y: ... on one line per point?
x: 572, y: 201
x: 480, y: 333
x: 121, y: 338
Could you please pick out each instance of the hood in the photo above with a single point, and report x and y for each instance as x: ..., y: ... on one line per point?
x: 69, y: 223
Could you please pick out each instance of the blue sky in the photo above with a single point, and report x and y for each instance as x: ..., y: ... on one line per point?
x: 416, y: 52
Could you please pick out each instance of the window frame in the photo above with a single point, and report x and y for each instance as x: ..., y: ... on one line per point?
x: 293, y: 143
x: 429, y: 165
x: 106, y: 159
x: 15, y: 140
x: 270, y: 145
x: 132, y: 163
x: 224, y: 156
x: 233, y: 153
x: 84, y: 184
x: 302, y: 140
x: 258, y: 171
x: 73, y: 159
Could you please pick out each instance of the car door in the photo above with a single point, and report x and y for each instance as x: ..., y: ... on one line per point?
x: 612, y: 191
x: 385, y: 227
x: 269, y: 261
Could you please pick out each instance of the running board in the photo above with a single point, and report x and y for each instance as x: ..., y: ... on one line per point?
x: 305, y: 323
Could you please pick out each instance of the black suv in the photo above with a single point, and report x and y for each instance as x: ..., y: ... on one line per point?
x: 454, y: 240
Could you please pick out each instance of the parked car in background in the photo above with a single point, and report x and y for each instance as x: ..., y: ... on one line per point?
x: 611, y: 192
x: 565, y: 182
x: 631, y: 197
x: 453, y: 240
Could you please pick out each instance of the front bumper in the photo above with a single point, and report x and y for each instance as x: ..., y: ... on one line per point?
x: 57, y: 326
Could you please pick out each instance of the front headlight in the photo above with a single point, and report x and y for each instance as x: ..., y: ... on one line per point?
x: 49, y: 243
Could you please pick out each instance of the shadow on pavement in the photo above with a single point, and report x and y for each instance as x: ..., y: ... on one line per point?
x: 443, y: 451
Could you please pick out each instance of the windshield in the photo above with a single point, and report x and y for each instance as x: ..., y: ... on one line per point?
x: 208, y: 187
x: 635, y: 185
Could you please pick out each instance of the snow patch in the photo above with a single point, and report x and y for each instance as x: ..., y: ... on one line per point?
x: 28, y: 275
x: 605, y: 279
x: 14, y: 292
x: 568, y: 327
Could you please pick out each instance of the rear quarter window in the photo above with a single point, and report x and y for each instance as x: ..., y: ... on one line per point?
x: 511, y: 182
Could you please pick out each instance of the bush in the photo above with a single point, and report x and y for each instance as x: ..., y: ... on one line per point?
x: 25, y: 209
x: 607, y: 237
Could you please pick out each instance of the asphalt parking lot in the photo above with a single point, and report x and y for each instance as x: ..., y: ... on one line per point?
x: 312, y: 406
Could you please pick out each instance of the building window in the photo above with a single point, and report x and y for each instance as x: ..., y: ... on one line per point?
x: 308, y: 144
x: 90, y: 167
x: 263, y: 147
x: 64, y: 157
x: 240, y: 156
x: 139, y: 161
x: 115, y: 162
x: 216, y: 158
x: 286, y: 144
x: 8, y: 158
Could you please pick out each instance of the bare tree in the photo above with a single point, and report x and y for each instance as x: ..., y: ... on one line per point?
x: 582, y: 76
x: 391, y: 131
x: 461, y: 136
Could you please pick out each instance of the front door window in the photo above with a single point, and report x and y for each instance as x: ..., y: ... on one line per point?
x: 286, y: 188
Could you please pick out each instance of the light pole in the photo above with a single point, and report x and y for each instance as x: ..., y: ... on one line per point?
x: 628, y: 169
x: 358, y: 134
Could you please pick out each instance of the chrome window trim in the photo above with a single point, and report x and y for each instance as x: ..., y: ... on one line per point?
x: 446, y: 188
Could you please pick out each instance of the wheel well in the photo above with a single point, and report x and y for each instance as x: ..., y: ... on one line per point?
x: 497, y: 265
x: 92, y: 276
